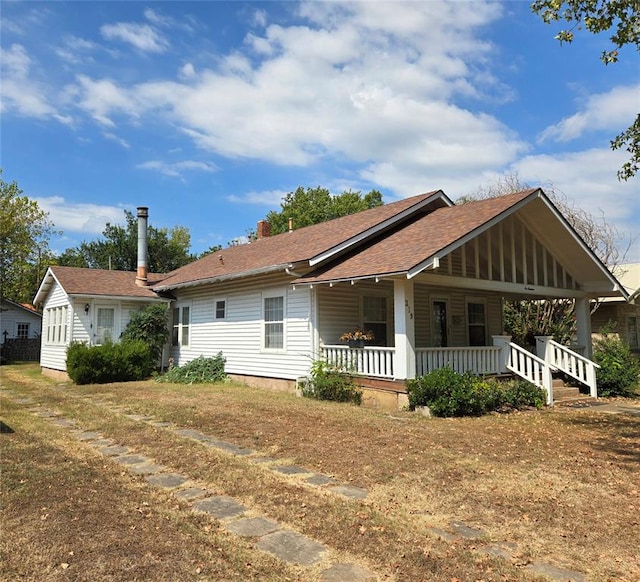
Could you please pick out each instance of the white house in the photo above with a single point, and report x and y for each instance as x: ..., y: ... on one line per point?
x: 426, y: 276
x: 18, y: 321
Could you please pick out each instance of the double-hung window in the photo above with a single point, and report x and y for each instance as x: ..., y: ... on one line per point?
x: 220, y: 309
x: 181, y: 325
x: 56, y: 325
x: 273, y: 322
x: 374, y: 318
x: 633, y: 332
x: 477, y: 323
x: 105, y: 325
x: 22, y: 331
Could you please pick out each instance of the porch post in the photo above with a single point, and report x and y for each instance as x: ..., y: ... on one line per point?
x: 543, y: 347
x: 502, y: 342
x: 583, y: 325
x: 405, y: 336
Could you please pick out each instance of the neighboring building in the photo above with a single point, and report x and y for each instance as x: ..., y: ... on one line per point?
x: 18, y: 321
x: 625, y: 315
x: 426, y: 276
x: 20, y: 329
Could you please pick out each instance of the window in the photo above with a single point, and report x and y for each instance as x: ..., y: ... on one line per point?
x: 181, y: 326
x: 477, y: 324
x: 105, y: 325
x: 374, y: 318
x: 56, y: 325
x: 22, y: 331
x: 221, y: 309
x: 274, y: 323
x: 633, y: 333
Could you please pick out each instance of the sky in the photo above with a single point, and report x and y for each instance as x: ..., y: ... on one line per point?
x: 210, y: 112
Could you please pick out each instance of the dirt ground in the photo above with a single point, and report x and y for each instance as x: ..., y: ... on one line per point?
x: 560, y: 486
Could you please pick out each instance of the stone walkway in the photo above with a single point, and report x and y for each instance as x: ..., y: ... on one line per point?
x: 270, y: 536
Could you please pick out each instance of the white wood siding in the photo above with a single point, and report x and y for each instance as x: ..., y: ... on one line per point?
x: 12, y: 316
x: 54, y: 356
x: 239, y: 335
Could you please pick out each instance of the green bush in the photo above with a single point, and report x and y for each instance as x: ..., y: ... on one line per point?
x: 199, y: 371
x: 448, y: 393
x: 329, y: 383
x: 150, y: 326
x: 126, y: 361
x: 619, y: 368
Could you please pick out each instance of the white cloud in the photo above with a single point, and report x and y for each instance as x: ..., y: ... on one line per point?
x: 612, y: 110
x: 120, y: 141
x: 269, y: 198
x: 87, y: 219
x: 176, y: 169
x: 141, y: 36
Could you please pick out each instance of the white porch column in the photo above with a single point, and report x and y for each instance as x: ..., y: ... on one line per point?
x: 583, y: 325
x: 405, y: 333
x: 502, y: 342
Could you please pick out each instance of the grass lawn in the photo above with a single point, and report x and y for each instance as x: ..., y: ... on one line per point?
x: 562, y: 485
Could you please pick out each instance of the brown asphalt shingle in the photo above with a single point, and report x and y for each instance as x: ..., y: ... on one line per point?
x: 79, y: 281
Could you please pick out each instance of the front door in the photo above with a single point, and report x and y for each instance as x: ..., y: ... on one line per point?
x: 439, y: 323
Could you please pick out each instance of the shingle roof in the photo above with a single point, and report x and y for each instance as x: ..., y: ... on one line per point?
x: 285, y: 249
x: 79, y: 281
x: 410, y: 245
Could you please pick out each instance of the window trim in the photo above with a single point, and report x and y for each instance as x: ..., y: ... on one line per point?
x: 628, y: 319
x: 263, y: 339
x: 115, y: 330
x: 215, y: 308
x: 388, y: 313
x: 57, y: 325
x: 476, y: 301
x: 178, y: 329
x: 22, y: 324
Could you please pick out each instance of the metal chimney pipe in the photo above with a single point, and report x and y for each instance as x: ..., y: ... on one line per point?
x: 143, y: 266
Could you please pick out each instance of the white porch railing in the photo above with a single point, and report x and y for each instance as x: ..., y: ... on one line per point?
x: 479, y: 360
x: 530, y: 367
x: 568, y: 361
x: 367, y: 361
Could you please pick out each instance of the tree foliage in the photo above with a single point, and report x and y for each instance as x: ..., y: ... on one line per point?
x: 308, y: 206
x: 118, y: 250
x: 621, y: 18
x: 150, y: 326
x: 25, y: 230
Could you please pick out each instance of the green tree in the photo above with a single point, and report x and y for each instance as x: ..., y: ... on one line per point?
x: 150, y: 326
x: 25, y: 230
x: 118, y: 250
x: 314, y: 205
x: 621, y: 18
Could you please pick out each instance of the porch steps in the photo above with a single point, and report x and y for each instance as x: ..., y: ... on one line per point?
x: 566, y: 394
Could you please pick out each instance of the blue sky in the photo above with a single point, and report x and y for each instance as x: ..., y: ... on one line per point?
x: 209, y: 112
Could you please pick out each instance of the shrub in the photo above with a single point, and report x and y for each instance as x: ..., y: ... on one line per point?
x: 329, y: 383
x: 619, y: 368
x: 150, y: 326
x: 199, y: 371
x: 126, y: 361
x: 448, y: 393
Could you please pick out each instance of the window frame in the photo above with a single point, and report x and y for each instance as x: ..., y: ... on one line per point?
x: 22, y: 326
x: 635, y: 344
x: 99, y: 341
x: 365, y: 324
x: 485, y: 324
x: 57, y: 325
x: 181, y: 331
x: 283, y: 322
x: 217, y: 300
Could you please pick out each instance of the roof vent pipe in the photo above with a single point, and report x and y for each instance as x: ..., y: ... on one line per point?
x: 143, y: 267
x: 291, y: 225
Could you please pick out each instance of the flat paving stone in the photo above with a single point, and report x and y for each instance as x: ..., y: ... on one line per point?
x: 191, y: 433
x: 88, y: 435
x: 498, y: 550
x: 262, y: 460
x: 349, y: 491
x: 131, y: 459
x: 166, y: 480
x: 319, y: 479
x: 291, y: 470
x: 228, y: 447
x: 46, y: 413
x: 556, y: 573
x: 445, y: 535
x: 113, y: 450
x: 102, y: 442
x: 138, y: 417
x: 292, y: 547
x: 253, y: 526
x: 160, y: 424
x: 23, y: 400
x: 190, y: 493
x: 466, y: 531
x: 347, y: 573
x: 220, y: 506
x: 146, y: 469
x: 63, y: 422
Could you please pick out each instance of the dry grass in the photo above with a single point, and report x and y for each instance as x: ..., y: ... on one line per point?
x: 563, y: 485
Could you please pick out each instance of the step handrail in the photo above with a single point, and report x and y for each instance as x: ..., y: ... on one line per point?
x: 571, y: 363
x: 532, y: 368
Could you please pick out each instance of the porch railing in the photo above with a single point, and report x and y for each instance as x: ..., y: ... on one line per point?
x: 479, y: 360
x: 568, y: 361
x: 367, y: 361
x: 530, y: 367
